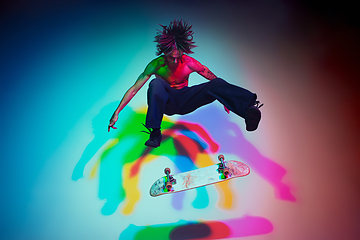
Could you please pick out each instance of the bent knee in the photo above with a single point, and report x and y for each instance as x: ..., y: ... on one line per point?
x: 156, y: 82
x: 218, y: 81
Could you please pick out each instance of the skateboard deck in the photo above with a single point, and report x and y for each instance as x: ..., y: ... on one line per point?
x: 222, y: 171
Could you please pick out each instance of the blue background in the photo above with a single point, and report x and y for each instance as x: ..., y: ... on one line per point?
x: 64, y: 66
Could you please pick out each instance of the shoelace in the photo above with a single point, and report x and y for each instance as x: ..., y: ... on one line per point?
x: 256, y: 104
x: 150, y: 131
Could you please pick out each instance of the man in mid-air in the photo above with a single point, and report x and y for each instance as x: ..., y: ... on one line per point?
x: 169, y: 92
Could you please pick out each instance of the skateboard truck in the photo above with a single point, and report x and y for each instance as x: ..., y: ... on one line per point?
x: 170, y: 180
x: 222, y: 167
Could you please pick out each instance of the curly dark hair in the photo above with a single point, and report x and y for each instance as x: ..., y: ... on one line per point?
x: 177, y: 35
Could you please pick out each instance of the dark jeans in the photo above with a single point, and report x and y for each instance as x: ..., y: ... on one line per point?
x: 164, y: 99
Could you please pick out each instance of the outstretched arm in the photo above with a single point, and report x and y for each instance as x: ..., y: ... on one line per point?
x: 130, y: 93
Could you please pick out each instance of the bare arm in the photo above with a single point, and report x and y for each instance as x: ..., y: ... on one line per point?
x: 200, y: 69
x: 206, y: 73
x: 131, y: 92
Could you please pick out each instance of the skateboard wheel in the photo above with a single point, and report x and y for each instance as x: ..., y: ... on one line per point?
x: 167, y: 170
x: 221, y: 157
x: 168, y: 186
x: 226, y: 172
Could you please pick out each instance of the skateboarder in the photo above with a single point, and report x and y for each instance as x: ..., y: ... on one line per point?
x: 169, y: 92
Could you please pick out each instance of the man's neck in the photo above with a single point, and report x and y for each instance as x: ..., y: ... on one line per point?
x: 173, y: 61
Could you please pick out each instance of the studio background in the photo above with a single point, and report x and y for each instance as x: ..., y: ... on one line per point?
x: 65, y: 65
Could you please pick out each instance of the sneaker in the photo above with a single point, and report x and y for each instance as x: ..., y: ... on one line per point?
x: 155, y: 138
x: 253, y: 116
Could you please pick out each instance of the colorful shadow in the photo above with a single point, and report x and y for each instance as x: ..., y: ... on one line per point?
x: 230, y: 228
x: 187, y: 144
x: 236, y: 144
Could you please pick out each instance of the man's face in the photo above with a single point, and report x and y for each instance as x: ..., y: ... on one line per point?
x: 174, y: 56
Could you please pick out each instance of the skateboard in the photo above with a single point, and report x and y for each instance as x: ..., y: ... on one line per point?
x: 222, y: 171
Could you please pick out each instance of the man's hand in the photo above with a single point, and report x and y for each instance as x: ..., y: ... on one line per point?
x: 113, y: 120
x: 226, y: 110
